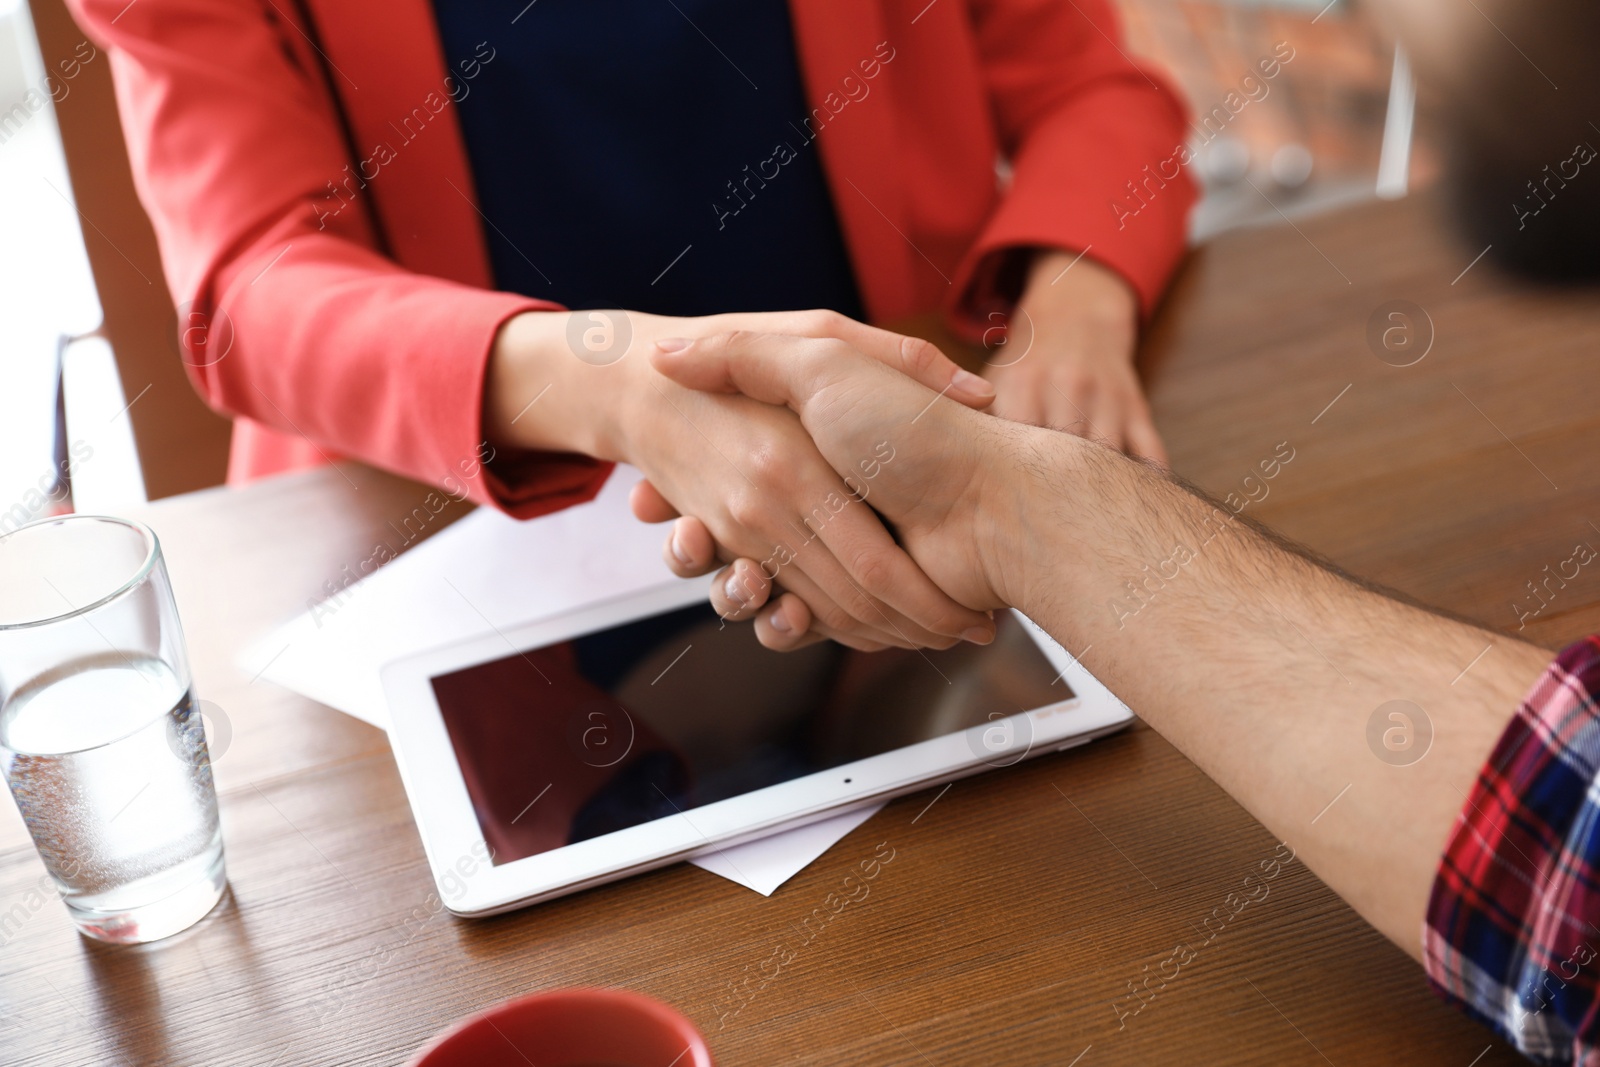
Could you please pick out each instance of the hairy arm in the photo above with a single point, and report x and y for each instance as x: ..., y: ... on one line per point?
x: 1268, y: 669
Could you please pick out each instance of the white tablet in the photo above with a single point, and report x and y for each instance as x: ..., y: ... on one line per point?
x: 640, y: 731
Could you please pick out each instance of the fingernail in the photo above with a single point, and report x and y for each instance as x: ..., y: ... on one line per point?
x: 779, y: 622
x: 673, y: 344
x: 971, y: 384
x: 678, y: 549
x: 733, y: 588
x: 978, y: 636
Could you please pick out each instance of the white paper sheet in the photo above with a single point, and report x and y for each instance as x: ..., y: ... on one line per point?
x: 490, y: 572
x: 485, y: 572
x: 766, y: 864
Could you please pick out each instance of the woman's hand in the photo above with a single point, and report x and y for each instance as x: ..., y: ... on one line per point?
x: 747, y: 470
x: 1067, y: 361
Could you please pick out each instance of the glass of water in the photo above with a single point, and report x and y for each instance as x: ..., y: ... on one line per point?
x: 100, y: 739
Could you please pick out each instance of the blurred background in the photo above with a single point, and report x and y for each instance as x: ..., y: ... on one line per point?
x: 79, y: 277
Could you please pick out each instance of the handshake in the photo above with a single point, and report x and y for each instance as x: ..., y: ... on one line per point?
x: 916, y: 529
x: 790, y: 444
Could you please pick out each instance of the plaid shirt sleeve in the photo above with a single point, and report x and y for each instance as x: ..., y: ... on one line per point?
x: 1510, y: 933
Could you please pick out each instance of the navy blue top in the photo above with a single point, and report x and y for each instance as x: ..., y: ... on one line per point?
x: 645, y: 154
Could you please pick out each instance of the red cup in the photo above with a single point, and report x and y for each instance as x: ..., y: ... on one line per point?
x: 571, y: 1028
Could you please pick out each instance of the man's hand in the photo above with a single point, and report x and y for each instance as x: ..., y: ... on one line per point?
x: 1067, y: 360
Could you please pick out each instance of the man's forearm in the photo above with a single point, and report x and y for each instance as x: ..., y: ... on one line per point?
x: 1272, y: 673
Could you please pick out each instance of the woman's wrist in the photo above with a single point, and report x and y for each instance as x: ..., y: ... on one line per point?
x: 540, y: 397
x: 1089, y: 290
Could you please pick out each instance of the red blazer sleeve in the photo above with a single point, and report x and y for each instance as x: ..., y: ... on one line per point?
x: 234, y: 135
x: 1079, y: 121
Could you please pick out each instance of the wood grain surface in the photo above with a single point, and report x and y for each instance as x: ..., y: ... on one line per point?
x: 1017, y: 907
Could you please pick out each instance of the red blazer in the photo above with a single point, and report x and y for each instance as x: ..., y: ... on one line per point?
x: 366, y: 331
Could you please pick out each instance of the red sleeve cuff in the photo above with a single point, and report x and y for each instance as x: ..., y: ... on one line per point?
x: 530, y: 484
x: 522, y: 484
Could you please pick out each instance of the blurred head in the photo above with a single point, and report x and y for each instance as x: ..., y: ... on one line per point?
x: 1516, y: 87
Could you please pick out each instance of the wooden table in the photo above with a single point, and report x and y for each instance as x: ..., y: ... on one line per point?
x: 1017, y: 908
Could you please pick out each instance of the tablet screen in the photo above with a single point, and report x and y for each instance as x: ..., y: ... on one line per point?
x: 661, y: 715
